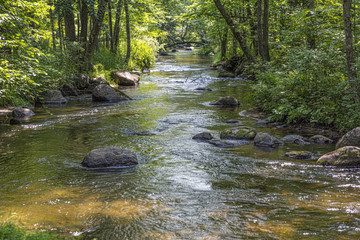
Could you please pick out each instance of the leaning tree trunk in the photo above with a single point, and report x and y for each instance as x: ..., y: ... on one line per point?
x: 239, y: 37
x: 117, y: 25
x: 128, y: 35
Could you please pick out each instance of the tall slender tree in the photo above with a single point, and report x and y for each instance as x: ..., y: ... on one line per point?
x: 128, y: 34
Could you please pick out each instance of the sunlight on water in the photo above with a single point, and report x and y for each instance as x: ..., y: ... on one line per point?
x: 182, y: 188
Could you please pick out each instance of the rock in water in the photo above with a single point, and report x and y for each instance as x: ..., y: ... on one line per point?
x: 348, y: 156
x: 105, y: 93
x: 266, y: 140
x: 94, y: 82
x: 238, y: 133
x: 297, y: 139
x: 226, y: 102
x: 205, y: 136
x: 300, y: 155
x: 351, y: 138
x: 109, y: 157
x: 319, y: 139
x: 53, y: 97
x: 125, y: 78
x: 22, y: 113
x: 69, y: 90
x: 81, y: 81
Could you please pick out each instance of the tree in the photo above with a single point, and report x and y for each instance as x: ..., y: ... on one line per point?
x: 239, y: 37
x: 128, y: 35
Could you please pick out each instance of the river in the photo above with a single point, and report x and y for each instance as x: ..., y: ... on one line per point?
x: 182, y: 189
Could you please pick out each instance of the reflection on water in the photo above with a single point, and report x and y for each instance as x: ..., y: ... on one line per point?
x: 181, y: 189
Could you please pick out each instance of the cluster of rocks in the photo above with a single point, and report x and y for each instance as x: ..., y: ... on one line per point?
x: 347, y: 151
x: 99, y: 88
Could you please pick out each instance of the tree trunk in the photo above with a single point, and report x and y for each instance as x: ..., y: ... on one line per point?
x: 242, y: 41
x: 310, y: 36
x: 93, y: 39
x: 117, y: 25
x: 84, y: 18
x: 128, y: 35
x: 234, y: 46
x: 110, y: 28
x: 60, y: 29
x: 52, y: 29
x: 260, y: 29
x: 70, y: 32
x: 348, y: 40
x: 223, y: 47
x: 265, y: 29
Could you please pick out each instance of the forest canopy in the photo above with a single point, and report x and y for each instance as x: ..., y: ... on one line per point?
x: 302, y: 55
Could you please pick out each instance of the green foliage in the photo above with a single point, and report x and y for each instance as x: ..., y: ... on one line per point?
x: 9, y: 231
x: 307, y: 86
x: 143, y: 53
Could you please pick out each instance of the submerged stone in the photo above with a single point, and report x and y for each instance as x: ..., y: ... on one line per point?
x: 227, y: 101
x: 109, y: 157
x: 300, y: 155
x: 205, y: 136
x: 228, y: 143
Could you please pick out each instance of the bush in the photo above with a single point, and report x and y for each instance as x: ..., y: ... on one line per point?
x: 307, y: 86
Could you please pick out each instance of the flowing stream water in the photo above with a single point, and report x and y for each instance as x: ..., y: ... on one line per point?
x: 182, y: 189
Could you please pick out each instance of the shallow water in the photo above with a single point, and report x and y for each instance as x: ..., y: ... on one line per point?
x: 182, y: 189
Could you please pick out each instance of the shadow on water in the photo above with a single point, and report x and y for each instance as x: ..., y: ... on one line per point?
x: 182, y: 189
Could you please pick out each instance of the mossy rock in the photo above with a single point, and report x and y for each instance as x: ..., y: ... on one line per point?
x: 300, y: 155
x: 240, y: 133
x: 319, y: 139
x: 266, y: 140
x: 348, y: 156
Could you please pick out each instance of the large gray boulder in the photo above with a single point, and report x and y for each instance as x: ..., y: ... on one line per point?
x: 227, y: 101
x: 348, y: 156
x: 351, y: 138
x: 109, y: 157
x: 125, y: 78
x: 22, y: 113
x: 266, y: 140
x: 105, y: 93
x: 238, y: 133
x: 53, y: 97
